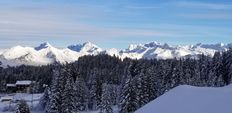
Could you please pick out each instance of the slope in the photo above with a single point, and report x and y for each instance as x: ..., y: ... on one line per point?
x: 189, y: 99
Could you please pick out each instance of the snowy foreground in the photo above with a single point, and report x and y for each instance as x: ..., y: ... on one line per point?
x: 32, y: 101
x: 189, y: 99
x: 182, y: 99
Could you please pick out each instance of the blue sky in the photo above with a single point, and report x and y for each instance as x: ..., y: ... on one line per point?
x: 114, y: 23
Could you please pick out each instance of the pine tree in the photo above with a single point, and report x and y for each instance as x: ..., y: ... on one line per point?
x: 215, y: 71
x: 22, y: 107
x: 106, y: 102
x: 152, y: 83
x: 142, y: 87
x: 81, y: 94
x: 95, y: 90
x: 204, y: 69
x: 45, y: 98
x: 54, y: 104
x: 227, y: 66
x: 197, y: 75
x: 129, y: 102
x: 68, y: 95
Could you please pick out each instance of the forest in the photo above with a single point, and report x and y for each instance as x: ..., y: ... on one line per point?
x: 101, y: 82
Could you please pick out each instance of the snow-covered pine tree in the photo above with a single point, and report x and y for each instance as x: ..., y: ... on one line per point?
x: 81, y: 94
x: 187, y: 71
x: 22, y: 107
x: 126, y: 72
x: 45, y: 98
x: 114, y: 91
x: 57, y: 86
x: 177, y: 73
x: 218, y: 66
x: 204, y: 69
x: 129, y: 102
x: 153, y: 87
x: 142, y: 87
x: 68, y: 94
x: 197, y: 75
x: 95, y: 89
x: 227, y: 66
x: 106, y: 102
x: 92, y: 105
x: 215, y: 71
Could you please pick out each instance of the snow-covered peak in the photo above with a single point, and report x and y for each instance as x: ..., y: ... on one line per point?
x: 152, y: 44
x: 16, y: 52
x: 133, y: 47
x: 85, y: 47
x: 165, y: 51
x: 76, y: 47
x: 43, y: 45
x: 89, y: 44
x: 45, y: 53
x: 90, y: 47
x: 139, y: 47
x: 218, y: 46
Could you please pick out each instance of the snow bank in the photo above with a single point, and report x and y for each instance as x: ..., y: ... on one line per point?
x: 189, y: 99
x: 32, y: 101
x: 23, y: 82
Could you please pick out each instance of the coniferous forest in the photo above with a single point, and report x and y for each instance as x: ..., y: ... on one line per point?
x: 102, y: 81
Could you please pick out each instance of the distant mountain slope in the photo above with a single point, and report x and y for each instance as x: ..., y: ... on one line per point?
x: 45, y: 53
x: 165, y: 51
x: 189, y: 99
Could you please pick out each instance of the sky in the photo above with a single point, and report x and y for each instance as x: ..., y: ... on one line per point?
x: 114, y: 23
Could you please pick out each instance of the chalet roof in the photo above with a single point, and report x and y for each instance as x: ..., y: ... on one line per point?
x: 10, y: 85
x: 23, y: 82
x: 6, y: 98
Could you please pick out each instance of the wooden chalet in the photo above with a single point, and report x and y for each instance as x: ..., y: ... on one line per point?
x: 21, y: 86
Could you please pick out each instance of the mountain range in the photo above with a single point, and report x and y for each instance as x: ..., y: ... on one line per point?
x: 45, y: 53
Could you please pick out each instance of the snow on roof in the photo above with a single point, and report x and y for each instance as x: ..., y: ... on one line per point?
x: 23, y: 82
x: 10, y: 85
x: 6, y: 98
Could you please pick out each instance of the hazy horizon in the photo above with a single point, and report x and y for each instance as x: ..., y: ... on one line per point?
x: 115, y: 23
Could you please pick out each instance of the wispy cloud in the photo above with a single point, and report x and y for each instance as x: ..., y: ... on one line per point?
x: 208, y: 16
x: 205, y: 10
x: 28, y: 24
x: 114, y: 21
x: 142, y: 7
x: 204, y: 5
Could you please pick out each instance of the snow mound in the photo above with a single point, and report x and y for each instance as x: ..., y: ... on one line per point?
x: 189, y: 99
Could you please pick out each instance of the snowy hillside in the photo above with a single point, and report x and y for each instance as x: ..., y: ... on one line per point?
x: 189, y: 99
x: 47, y: 54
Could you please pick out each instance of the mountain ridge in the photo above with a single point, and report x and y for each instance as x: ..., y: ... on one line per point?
x: 45, y: 53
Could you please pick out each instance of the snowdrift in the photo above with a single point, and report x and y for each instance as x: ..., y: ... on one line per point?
x: 189, y: 99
